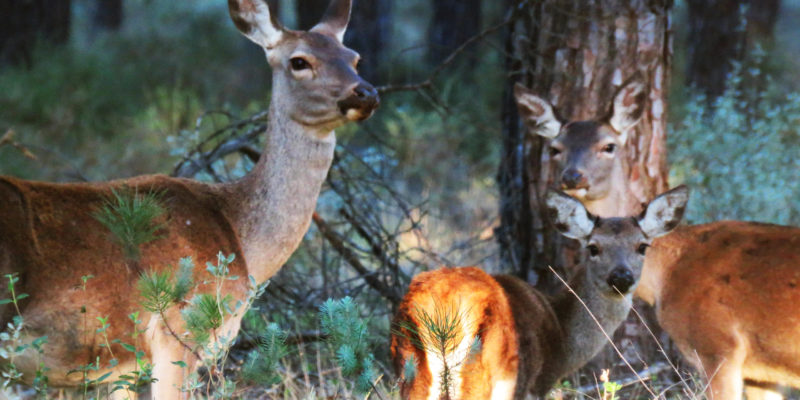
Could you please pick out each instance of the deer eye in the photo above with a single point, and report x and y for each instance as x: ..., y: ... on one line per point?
x: 642, y: 248
x: 299, y: 64
x: 554, y: 151
x: 593, y: 250
x: 609, y: 148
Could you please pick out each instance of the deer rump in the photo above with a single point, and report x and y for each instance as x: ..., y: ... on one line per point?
x: 49, y: 237
x: 499, y: 310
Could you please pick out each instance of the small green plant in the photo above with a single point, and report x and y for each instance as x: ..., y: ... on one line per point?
x: 14, y: 346
x: 262, y: 363
x: 347, y: 332
x: 130, y: 217
x: 440, y: 332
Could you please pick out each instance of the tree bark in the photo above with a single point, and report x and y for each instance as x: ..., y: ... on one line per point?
x: 22, y: 23
x: 577, y: 54
x: 722, y: 32
x: 453, y: 22
x: 107, y: 15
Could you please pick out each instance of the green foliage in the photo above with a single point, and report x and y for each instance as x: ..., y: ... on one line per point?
x: 410, y: 368
x: 202, y: 316
x: 160, y: 289
x: 348, y: 334
x: 13, y: 346
x: 131, y: 217
x: 262, y: 363
x: 739, y: 155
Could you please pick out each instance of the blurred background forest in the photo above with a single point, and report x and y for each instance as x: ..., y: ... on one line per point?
x: 444, y: 172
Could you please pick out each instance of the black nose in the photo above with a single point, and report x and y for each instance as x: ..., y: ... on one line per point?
x: 620, y: 279
x: 572, y: 179
x: 361, y: 103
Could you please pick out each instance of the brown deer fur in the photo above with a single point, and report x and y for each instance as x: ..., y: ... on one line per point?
x: 528, y: 341
x: 728, y: 293
x: 50, y: 238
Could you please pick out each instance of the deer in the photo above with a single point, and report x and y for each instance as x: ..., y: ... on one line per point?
x: 589, y: 155
x: 725, y: 292
x: 528, y: 341
x: 49, y: 237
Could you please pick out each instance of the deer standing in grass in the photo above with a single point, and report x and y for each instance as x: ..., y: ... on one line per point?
x: 48, y: 234
x: 527, y: 340
x: 726, y: 292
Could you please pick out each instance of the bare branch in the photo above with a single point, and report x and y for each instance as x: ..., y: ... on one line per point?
x: 337, y: 243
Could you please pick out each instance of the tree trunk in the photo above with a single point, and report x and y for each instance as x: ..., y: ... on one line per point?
x: 722, y: 32
x: 577, y: 54
x: 22, y: 23
x: 107, y: 15
x: 454, y: 21
x: 369, y: 33
x: 309, y: 12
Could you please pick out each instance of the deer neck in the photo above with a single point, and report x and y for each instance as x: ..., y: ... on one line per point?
x: 620, y: 201
x: 582, y: 337
x: 662, y: 255
x: 275, y: 201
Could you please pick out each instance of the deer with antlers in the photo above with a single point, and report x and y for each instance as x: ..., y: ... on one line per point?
x: 48, y: 234
x: 527, y: 341
x: 725, y: 292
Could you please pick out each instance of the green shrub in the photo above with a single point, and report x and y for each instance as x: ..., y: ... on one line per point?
x: 739, y: 155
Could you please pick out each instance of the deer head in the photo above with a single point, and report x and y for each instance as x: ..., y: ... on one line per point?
x: 315, y: 78
x: 615, y: 247
x: 588, y: 154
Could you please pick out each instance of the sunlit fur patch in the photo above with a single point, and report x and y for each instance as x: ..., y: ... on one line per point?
x: 354, y: 114
x: 577, y: 193
x: 503, y: 390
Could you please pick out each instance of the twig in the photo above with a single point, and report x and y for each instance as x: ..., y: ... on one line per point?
x: 338, y: 244
x: 175, y: 335
x: 8, y: 138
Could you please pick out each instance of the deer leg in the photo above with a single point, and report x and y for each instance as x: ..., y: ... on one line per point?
x: 165, y: 350
x: 725, y: 374
x: 762, y: 393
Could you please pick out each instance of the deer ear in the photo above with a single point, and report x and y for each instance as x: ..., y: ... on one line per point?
x: 254, y: 19
x: 335, y: 20
x: 568, y: 215
x: 628, y: 106
x: 665, y: 212
x: 536, y: 113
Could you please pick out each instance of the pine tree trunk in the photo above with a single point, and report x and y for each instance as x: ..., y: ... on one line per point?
x: 309, y: 12
x: 22, y: 23
x: 369, y: 33
x: 454, y: 21
x: 722, y: 32
x: 108, y: 15
x: 576, y: 54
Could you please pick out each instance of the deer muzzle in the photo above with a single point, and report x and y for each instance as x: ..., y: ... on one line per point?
x: 620, y: 279
x: 361, y: 103
x: 573, y: 179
